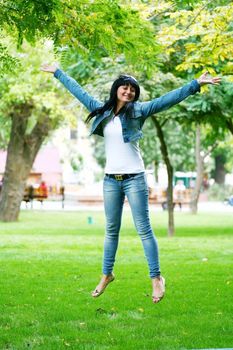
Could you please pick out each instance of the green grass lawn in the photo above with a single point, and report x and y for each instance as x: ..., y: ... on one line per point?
x: 50, y: 262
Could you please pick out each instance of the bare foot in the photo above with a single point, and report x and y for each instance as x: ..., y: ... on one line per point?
x: 105, y: 280
x: 158, y: 286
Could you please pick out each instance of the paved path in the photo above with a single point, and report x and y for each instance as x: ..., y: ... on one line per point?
x: 75, y: 206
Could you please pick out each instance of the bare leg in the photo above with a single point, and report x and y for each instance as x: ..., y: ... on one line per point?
x: 105, y: 280
x: 158, y: 289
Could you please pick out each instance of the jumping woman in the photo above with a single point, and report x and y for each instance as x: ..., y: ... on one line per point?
x: 120, y: 121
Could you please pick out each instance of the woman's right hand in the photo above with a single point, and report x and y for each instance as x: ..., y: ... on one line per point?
x: 50, y: 68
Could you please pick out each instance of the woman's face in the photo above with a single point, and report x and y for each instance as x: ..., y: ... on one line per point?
x: 126, y: 93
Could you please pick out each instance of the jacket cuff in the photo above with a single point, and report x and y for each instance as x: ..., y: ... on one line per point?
x: 196, y: 86
x: 58, y: 72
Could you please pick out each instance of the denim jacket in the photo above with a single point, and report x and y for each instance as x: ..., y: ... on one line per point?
x: 131, y: 126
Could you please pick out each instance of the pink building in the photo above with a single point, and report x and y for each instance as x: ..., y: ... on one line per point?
x: 47, y: 167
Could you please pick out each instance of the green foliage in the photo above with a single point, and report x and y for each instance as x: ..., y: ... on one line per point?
x: 212, y: 109
x: 178, y: 136
x: 98, y: 40
x: 99, y: 29
x: 200, y: 37
x: 29, y: 19
x: 5, y: 125
x: 189, y: 4
x: 149, y: 145
x: 30, y: 88
x: 225, y: 149
x: 180, y: 143
x: 77, y: 162
x: 110, y: 29
x: 79, y: 67
x: 7, y: 62
x: 218, y: 192
x: 99, y: 152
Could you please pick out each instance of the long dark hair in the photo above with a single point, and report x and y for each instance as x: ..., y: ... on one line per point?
x: 112, y: 101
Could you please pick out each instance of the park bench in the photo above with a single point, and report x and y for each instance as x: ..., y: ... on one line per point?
x: 40, y: 194
x: 180, y: 198
x: 40, y: 197
x: 155, y: 197
x: 31, y: 194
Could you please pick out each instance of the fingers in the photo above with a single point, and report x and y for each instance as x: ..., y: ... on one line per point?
x: 215, y: 81
x: 44, y: 67
x: 204, y: 75
x: 204, y: 79
x: 51, y: 68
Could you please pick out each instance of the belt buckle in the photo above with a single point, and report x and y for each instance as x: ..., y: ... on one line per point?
x: 118, y: 177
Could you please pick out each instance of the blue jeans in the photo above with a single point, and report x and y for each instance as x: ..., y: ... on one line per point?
x: 136, y: 191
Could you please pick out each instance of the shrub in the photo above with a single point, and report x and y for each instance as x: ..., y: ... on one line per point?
x: 219, y: 192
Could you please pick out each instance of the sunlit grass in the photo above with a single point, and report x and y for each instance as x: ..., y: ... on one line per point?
x: 50, y: 262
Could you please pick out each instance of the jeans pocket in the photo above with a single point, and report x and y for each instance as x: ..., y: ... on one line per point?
x: 140, y: 178
x: 139, y: 183
x: 110, y: 184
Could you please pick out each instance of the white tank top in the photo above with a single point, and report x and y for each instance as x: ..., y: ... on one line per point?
x: 121, y: 157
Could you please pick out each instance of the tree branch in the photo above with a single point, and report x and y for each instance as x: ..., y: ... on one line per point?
x: 164, y: 122
x: 210, y: 150
x: 160, y: 13
x: 195, y: 17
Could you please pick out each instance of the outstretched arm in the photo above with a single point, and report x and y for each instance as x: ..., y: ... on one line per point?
x: 176, y: 96
x: 70, y: 84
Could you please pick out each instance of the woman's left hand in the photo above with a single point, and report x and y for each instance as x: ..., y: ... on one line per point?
x: 204, y: 79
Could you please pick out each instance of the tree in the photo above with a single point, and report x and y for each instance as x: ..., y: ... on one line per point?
x: 200, y: 37
x: 101, y: 29
x: 170, y: 171
x: 200, y: 157
x: 32, y: 106
x: 209, y: 119
x: 194, y: 38
x: 223, y: 162
x: 93, y: 29
x: 157, y: 86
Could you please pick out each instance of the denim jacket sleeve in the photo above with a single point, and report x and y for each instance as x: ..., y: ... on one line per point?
x: 70, y: 84
x: 170, y: 99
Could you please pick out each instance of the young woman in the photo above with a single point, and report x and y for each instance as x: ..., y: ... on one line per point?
x: 120, y: 121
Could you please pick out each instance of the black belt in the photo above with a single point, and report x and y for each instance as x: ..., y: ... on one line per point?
x: 121, y: 177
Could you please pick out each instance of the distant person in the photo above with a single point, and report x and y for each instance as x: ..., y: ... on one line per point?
x: 62, y: 193
x: 43, y: 190
x: 179, y: 192
x: 120, y: 121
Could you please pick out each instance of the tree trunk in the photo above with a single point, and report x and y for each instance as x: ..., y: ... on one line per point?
x: 13, y: 186
x: 220, y: 171
x: 156, y: 167
x: 164, y: 150
x: 200, y: 172
x: 229, y: 124
x: 21, y: 153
